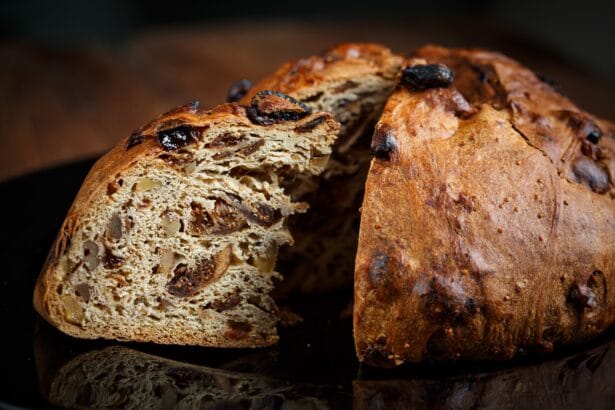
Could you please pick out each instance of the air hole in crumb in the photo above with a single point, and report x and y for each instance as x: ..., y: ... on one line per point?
x: 59, y: 289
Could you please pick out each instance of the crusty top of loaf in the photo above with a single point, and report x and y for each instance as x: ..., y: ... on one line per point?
x: 350, y: 60
x: 548, y: 120
x: 488, y: 224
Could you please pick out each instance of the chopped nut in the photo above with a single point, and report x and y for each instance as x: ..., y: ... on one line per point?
x: 90, y: 253
x: 114, y: 230
x: 266, y: 262
x: 146, y: 184
x: 170, y: 223
x: 73, y: 312
x: 167, y: 261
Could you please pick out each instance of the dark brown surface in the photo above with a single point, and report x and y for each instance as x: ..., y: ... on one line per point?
x: 496, y: 245
x: 56, y: 106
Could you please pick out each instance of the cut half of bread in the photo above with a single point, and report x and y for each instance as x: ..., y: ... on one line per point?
x: 352, y: 81
x: 174, y: 234
x: 488, y: 223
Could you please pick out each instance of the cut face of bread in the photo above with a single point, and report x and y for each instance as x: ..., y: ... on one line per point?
x: 174, y: 234
x: 352, y: 82
x: 488, y: 224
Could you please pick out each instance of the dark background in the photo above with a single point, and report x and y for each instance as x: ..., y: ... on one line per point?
x: 581, y: 31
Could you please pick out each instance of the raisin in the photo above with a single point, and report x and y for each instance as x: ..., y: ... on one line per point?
x: 225, y: 140
x: 383, y: 143
x: 592, y: 174
x: 311, y: 124
x: 226, y: 218
x: 424, y: 76
x: 111, y: 261
x: 251, y: 148
x: 188, y: 282
x: 238, y: 90
x: 582, y: 296
x: 175, y: 138
x: 263, y: 214
x: 230, y: 301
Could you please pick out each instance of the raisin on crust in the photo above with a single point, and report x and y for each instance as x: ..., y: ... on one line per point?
x: 174, y: 234
x: 351, y: 81
x: 488, y: 223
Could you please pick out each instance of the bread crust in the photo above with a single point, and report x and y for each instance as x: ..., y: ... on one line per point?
x: 345, y: 61
x: 142, y: 146
x: 488, y: 223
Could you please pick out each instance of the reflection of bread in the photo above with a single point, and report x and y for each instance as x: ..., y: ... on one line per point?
x: 488, y: 224
x: 352, y: 82
x: 174, y: 233
x: 118, y: 377
x: 582, y: 381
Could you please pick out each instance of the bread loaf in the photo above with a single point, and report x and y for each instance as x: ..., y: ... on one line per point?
x: 488, y: 223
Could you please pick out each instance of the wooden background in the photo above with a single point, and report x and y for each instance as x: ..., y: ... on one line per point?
x: 61, y: 105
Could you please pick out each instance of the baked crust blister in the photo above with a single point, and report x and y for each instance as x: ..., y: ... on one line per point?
x: 502, y: 234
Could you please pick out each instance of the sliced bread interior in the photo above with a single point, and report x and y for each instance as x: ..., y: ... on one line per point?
x: 174, y: 234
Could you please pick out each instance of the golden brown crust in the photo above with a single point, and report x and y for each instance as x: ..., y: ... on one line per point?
x: 345, y: 61
x: 488, y: 224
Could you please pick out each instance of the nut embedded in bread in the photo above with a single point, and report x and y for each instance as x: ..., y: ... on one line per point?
x: 501, y: 239
x: 174, y: 234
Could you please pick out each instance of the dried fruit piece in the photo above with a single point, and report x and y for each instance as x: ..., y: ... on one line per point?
x: 188, y: 282
x: 226, y: 218
x: 111, y: 261
x: 175, y: 138
x: 421, y: 77
x: 262, y: 214
x: 167, y: 261
x: 383, y: 143
x: 83, y: 291
x: 266, y: 262
x: 170, y: 223
x: 73, y: 312
x: 146, y: 184
x: 114, y: 230
x: 90, y: 253
x: 238, y: 90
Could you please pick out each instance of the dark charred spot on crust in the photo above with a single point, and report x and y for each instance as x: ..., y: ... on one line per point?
x: 311, y: 124
x: 421, y: 77
x: 262, y: 214
x: 238, y: 90
x: 227, y: 302
x: 269, y: 107
x: 383, y: 143
x: 111, y: 261
x: 237, y: 330
x: 581, y: 296
x: 175, y: 138
x: 134, y: 140
x: 592, y: 174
